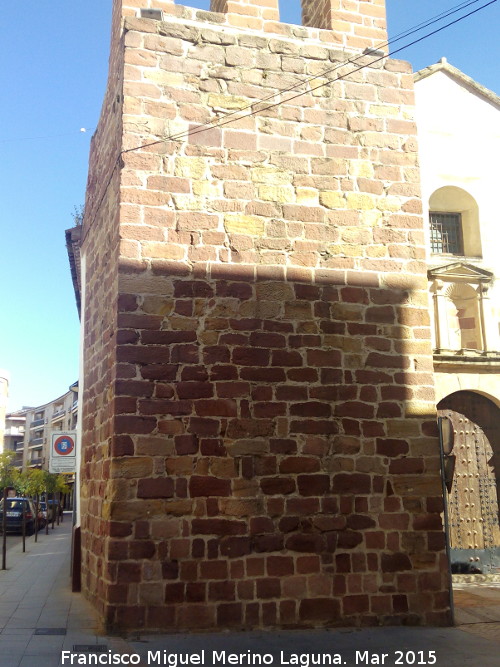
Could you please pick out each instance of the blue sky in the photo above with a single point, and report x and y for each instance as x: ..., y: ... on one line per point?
x: 54, y: 65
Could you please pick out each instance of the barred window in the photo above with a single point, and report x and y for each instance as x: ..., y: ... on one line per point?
x: 446, y: 233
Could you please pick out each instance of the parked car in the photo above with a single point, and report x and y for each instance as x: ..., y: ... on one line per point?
x: 57, y: 505
x: 42, y: 506
x: 50, y: 509
x: 14, y: 515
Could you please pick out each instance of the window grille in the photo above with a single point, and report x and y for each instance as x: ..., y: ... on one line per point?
x: 446, y: 233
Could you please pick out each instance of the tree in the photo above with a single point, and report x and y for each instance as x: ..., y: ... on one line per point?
x: 36, y: 486
x: 6, y: 480
x: 62, y: 488
x: 50, y: 488
x: 21, y: 484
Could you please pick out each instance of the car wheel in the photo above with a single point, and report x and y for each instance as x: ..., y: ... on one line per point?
x: 30, y: 529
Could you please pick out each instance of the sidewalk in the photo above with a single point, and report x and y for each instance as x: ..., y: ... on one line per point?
x: 40, y: 617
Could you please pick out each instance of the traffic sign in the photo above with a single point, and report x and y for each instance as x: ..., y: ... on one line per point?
x: 63, y: 452
x: 64, y: 445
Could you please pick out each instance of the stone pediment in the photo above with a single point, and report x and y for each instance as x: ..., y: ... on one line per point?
x: 462, y: 79
x: 460, y: 272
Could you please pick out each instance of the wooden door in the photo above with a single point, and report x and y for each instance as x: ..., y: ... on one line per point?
x: 473, y: 507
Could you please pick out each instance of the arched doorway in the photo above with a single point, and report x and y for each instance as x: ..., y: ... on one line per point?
x: 473, y: 503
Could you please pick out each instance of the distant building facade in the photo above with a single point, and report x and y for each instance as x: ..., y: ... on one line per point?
x: 459, y: 141
x: 61, y: 414
x: 15, y: 423
x: 4, y: 393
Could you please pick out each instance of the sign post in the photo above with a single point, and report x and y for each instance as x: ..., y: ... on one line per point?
x: 63, y: 452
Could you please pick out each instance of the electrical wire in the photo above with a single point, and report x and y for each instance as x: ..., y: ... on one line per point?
x: 222, y: 121
x: 225, y: 119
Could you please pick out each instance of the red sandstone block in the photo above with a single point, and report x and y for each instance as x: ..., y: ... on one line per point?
x: 324, y: 358
x: 195, y: 592
x: 216, y: 354
x: 314, y: 427
x: 394, y: 520
x: 142, y: 354
x: 128, y: 573
x: 313, y: 485
x: 132, y: 425
x: 162, y: 372
x: 229, y: 615
x: 307, y: 543
x: 218, y: 527
x: 277, y: 485
x: 167, y: 337
x: 155, y: 487
x: 244, y: 356
x: 268, y: 588
x: 204, y: 426
x: 279, y: 566
x: 267, y: 543
x: 185, y: 354
x: 235, y: 547
x: 194, y: 390
x: 427, y: 522
x: 221, y: 590
x: 360, y: 522
x: 186, y: 444
x: 289, y: 523
x: 355, y: 483
x: 271, y: 409
x: 325, y: 610
x: 202, y: 486
x: 396, y: 562
x: 142, y: 549
x: 215, y: 569
x: 217, y: 407
x: 391, y: 446
x: 122, y: 445
x: 310, y: 409
x: 406, y: 466
x: 355, y: 409
x: 298, y: 464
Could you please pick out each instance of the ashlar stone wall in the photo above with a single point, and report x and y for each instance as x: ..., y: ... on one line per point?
x: 260, y: 445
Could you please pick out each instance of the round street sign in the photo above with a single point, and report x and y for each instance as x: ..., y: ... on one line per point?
x: 64, y: 445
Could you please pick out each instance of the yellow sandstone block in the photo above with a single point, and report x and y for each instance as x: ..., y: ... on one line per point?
x: 190, y: 167
x: 207, y: 189
x: 361, y: 169
x: 332, y: 199
x: 230, y: 102
x: 360, y: 201
x: 238, y: 223
x: 306, y: 196
x: 389, y: 204
x: 277, y: 193
x: 271, y: 176
x: 384, y: 110
x: 371, y: 218
x: 188, y: 203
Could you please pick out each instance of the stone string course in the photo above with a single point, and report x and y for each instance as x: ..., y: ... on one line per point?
x: 259, y: 428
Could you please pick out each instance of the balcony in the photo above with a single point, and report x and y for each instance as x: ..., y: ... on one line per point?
x: 36, y: 442
x: 36, y: 463
x: 37, y: 422
x: 14, y: 430
x: 58, y: 414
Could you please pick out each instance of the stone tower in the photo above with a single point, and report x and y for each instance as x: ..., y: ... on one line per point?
x: 259, y: 440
